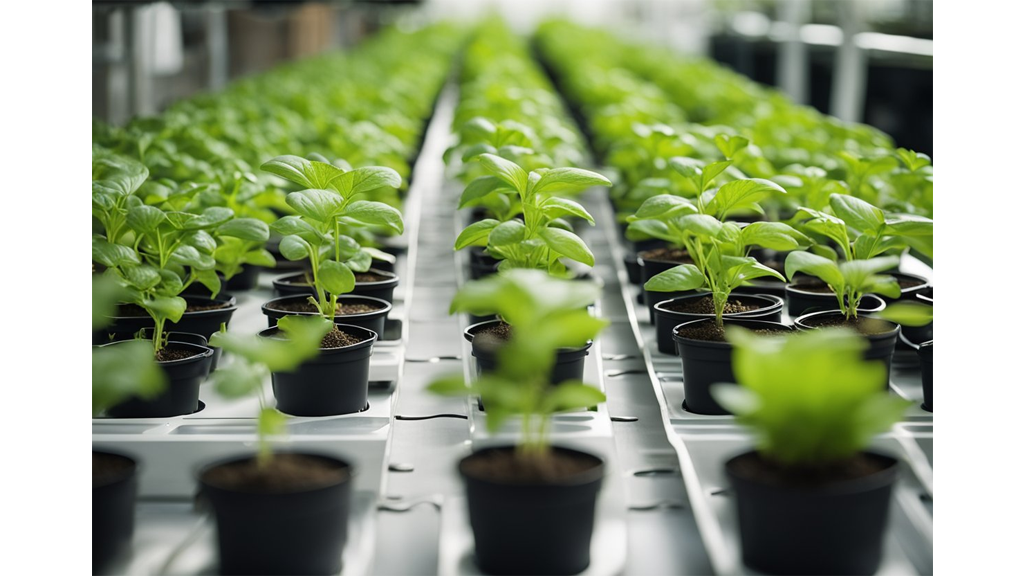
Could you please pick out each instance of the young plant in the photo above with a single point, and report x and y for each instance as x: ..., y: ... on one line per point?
x: 325, y: 210
x: 824, y: 413
x: 850, y: 280
x: 545, y: 314
x: 241, y: 241
x: 255, y: 358
x: 720, y: 250
x: 541, y: 238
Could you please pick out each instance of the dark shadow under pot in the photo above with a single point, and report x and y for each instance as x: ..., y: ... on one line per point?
x: 528, y: 525
x: 812, y: 522
x: 114, y: 485
x: 203, y: 316
x: 925, y: 352
x: 335, y: 382
x: 707, y: 358
x: 880, y: 334
x: 289, y: 518
x: 486, y: 338
x: 362, y: 311
x: 697, y: 306
x: 654, y: 262
x: 181, y: 396
x: 816, y: 296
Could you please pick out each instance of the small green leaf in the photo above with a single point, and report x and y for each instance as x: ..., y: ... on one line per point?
x: 908, y: 313
x: 857, y: 213
x: 571, y: 395
x: 663, y: 207
x: 556, y: 207
x: 677, y: 279
x: 375, y: 214
x: 480, y: 188
x: 318, y: 205
x: 774, y: 236
x: 246, y: 229
x: 508, y: 171
x: 336, y: 278
x: 112, y: 255
x: 145, y: 219
x: 568, y: 180
x: 742, y: 195
x: 567, y: 244
x: 818, y: 266
x: 476, y: 234
x: 507, y: 233
x: 294, y: 248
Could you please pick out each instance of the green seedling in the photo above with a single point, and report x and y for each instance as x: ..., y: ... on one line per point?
x: 849, y: 280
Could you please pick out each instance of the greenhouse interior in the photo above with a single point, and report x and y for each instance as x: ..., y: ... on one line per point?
x: 512, y: 287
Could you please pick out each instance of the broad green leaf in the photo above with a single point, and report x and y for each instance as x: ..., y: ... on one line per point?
x: 508, y: 171
x: 571, y: 395
x: 475, y: 234
x: 210, y: 217
x: 742, y: 195
x: 201, y: 240
x: 566, y: 244
x: 293, y: 247
x: 170, y: 307
x: 245, y: 228
x: 856, y: 272
x: 677, y: 279
x: 375, y: 214
x: 145, y: 219
x: 857, y: 213
x: 481, y: 187
x: 362, y: 180
x: 698, y: 224
x: 189, y: 256
x: 818, y: 266
x: 507, y: 233
x: 295, y: 225
x: 556, y: 207
x: 260, y: 257
x: 909, y: 225
x: 318, y: 205
x: 730, y: 145
x: 908, y: 313
x: 476, y: 150
x: 359, y: 262
x: 335, y: 277
x: 710, y: 171
x: 690, y: 168
x: 774, y: 236
x: 884, y: 285
x: 112, y: 255
x: 662, y: 207
x: 568, y: 180
x: 142, y: 277
x: 305, y: 173
x: 207, y: 278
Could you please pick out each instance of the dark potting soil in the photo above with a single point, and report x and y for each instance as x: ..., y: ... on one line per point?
x: 107, y: 468
x: 755, y: 467
x: 667, y: 255
x: 861, y: 324
x: 816, y: 286
x: 338, y: 339
x: 371, y: 277
x: 710, y: 332
x: 303, y: 280
x: 284, y: 473
x: 340, y: 310
x: 706, y: 305
x: 124, y: 310
x: 909, y: 282
x: 170, y: 354
x: 510, y: 467
x: 494, y: 334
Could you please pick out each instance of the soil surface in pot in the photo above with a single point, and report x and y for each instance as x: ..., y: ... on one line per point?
x: 338, y: 339
x: 341, y: 309
x: 667, y: 255
x: 861, y: 324
x: 360, y: 277
x: 170, y: 354
x: 710, y: 332
x: 909, y: 282
x: 107, y: 468
x: 816, y: 286
x: 136, y: 310
x: 754, y: 467
x: 504, y: 466
x: 284, y: 473
x: 500, y: 332
x: 706, y: 305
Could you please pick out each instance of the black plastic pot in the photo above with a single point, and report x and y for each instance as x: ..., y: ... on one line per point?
x: 369, y: 320
x: 800, y: 302
x: 481, y: 264
x: 910, y: 292
x: 666, y: 320
x: 247, y: 279
x: 633, y: 269
x: 569, y: 362
x: 881, y: 346
x: 197, y: 339
x: 532, y: 528
x: 384, y: 289
x: 706, y: 363
x: 835, y: 528
x: 649, y: 268
x: 295, y: 532
x: 335, y: 382
x: 925, y: 352
x: 203, y: 322
x: 113, y: 513
x: 181, y: 396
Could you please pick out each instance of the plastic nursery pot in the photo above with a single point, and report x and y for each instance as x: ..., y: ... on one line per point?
x: 373, y: 320
x: 707, y: 362
x: 925, y: 352
x: 203, y: 316
x: 383, y: 286
x: 634, y: 273
x: 654, y: 262
x: 246, y: 279
x: 834, y: 527
x: 299, y: 525
x: 880, y: 334
x: 181, y: 395
x: 335, y: 382
x: 531, y: 527
x: 666, y: 317
x: 815, y: 296
x: 569, y: 362
x: 481, y: 264
x: 910, y: 286
x: 114, y: 485
x: 197, y: 339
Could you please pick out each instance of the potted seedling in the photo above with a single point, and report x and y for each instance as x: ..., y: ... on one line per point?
x: 241, y: 251
x: 916, y: 318
x: 849, y: 282
x: 859, y: 231
x: 324, y: 210
x: 276, y: 512
x: 811, y: 498
x: 531, y: 505
x: 118, y: 373
x: 541, y: 238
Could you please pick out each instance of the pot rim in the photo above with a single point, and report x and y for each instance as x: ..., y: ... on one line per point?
x: 380, y: 311
x: 583, y: 478
x: 641, y: 259
x: 875, y: 480
x: 229, y: 299
x: 369, y: 341
x: 468, y: 334
x: 861, y: 313
x: 392, y: 277
x: 201, y: 470
x: 777, y: 304
x: 206, y: 352
x: 127, y: 477
x: 733, y: 320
